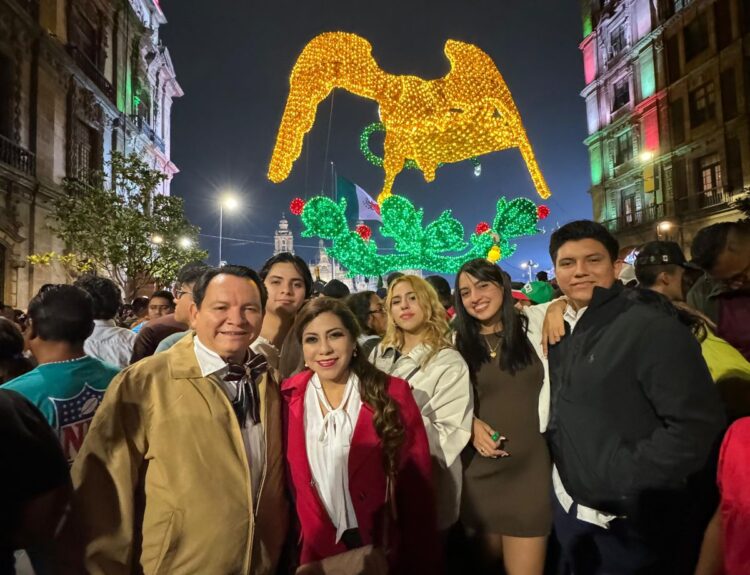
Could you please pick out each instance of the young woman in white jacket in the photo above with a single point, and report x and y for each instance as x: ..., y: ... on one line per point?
x: 417, y: 348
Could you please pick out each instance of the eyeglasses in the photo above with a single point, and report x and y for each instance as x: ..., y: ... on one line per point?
x: 178, y: 293
x: 379, y: 309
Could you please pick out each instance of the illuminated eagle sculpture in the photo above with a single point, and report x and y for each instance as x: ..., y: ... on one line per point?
x: 467, y: 113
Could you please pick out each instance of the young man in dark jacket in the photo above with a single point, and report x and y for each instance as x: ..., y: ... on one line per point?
x: 634, y: 420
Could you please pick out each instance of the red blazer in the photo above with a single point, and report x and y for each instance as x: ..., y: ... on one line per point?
x: 414, y: 541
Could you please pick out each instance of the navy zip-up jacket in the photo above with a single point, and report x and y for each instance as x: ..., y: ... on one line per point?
x: 633, y: 408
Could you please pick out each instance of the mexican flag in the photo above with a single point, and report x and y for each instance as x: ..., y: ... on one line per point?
x: 359, y: 204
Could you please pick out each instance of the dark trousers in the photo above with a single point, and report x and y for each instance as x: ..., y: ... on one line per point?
x: 667, y: 545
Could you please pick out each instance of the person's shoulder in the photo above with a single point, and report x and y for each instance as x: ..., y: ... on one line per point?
x: 450, y: 356
x: 103, y: 367
x: 398, y: 388
x: 23, y: 383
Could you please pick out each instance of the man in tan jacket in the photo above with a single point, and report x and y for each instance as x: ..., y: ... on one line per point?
x: 182, y: 471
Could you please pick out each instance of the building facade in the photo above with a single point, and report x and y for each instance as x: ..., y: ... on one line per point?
x: 667, y: 97
x: 283, y: 239
x: 78, y: 80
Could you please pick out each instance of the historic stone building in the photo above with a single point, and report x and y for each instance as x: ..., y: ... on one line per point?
x: 78, y: 79
x: 283, y: 239
x: 667, y: 98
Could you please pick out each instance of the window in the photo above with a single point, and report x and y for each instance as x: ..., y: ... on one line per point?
x: 85, y: 36
x: 617, y: 41
x: 728, y: 94
x: 621, y: 94
x: 734, y: 164
x: 696, y: 37
x: 85, y: 150
x: 623, y: 148
x: 702, y: 104
x: 673, y: 58
x: 677, y: 121
x: 6, y: 97
x: 723, y: 19
x: 710, y: 184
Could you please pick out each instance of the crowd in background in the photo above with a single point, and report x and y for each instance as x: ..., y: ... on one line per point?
x: 247, y: 422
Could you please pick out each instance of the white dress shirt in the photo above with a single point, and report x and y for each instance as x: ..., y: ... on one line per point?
x: 328, y: 438
x: 536, y: 315
x: 110, y: 343
x: 442, y: 390
x: 263, y: 346
x: 213, y: 367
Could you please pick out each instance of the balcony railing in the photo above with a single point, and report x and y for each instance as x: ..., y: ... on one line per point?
x: 92, y: 71
x: 17, y: 157
x: 636, y: 218
x: 705, y: 200
x: 148, y: 131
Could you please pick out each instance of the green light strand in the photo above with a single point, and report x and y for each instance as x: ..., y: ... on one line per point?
x: 431, y: 247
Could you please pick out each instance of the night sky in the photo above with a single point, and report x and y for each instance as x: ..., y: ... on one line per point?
x: 233, y: 59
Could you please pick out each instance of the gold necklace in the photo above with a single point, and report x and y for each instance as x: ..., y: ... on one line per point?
x: 493, y: 351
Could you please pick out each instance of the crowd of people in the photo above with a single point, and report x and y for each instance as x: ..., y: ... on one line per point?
x: 259, y: 422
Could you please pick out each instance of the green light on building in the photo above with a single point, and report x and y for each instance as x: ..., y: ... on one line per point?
x: 648, y: 76
x: 595, y: 158
x: 587, y: 26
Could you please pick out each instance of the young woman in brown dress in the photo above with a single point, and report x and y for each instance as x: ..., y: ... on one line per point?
x: 507, y: 471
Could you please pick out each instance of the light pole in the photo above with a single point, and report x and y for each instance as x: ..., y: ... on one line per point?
x: 231, y: 203
x: 662, y: 229
x: 530, y: 266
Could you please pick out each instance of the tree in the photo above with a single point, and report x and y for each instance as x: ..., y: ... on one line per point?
x: 116, y: 223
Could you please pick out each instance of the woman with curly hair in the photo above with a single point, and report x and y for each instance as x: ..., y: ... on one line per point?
x: 350, y: 433
x: 417, y: 347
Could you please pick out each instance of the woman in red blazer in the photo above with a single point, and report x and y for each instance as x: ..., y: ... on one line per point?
x: 346, y: 425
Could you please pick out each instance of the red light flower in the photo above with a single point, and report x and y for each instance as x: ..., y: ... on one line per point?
x: 296, y: 206
x: 542, y: 212
x: 364, y: 231
x: 482, y: 227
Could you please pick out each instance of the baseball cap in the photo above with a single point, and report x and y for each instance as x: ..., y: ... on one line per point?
x: 661, y: 253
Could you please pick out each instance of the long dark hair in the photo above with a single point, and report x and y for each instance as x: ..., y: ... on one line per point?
x: 515, y: 349
x: 373, y: 383
x: 12, y: 361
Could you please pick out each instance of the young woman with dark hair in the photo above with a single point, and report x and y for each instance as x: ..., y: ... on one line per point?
x: 507, y: 470
x: 348, y: 428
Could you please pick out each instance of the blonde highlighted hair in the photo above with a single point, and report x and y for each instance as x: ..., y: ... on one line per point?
x: 436, y: 334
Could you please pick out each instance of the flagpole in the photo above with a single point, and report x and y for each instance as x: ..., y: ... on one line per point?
x: 335, y: 199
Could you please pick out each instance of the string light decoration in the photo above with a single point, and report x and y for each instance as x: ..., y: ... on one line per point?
x: 542, y: 212
x: 364, y: 231
x: 467, y: 113
x: 482, y: 227
x: 296, y: 206
x: 375, y: 160
x: 439, y: 246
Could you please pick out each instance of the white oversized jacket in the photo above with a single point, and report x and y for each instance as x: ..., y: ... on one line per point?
x: 443, y: 392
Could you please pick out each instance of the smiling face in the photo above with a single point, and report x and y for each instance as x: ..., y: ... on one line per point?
x: 406, y: 310
x: 286, y: 289
x: 327, y: 347
x: 582, y: 265
x: 482, y: 299
x: 230, y: 316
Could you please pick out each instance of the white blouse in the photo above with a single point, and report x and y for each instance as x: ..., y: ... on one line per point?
x: 328, y: 437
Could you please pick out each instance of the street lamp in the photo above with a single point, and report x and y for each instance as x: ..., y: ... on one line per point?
x: 157, y: 239
x: 186, y: 243
x: 530, y: 266
x: 647, y: 156
x: 229, y: 202
x: 662, y: 229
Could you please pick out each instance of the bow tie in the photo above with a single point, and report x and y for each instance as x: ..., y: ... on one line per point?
x: 247, y: 375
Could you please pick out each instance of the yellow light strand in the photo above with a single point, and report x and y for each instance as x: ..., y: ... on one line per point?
x: 467, y: 113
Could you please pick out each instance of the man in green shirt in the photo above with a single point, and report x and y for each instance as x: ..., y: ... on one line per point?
x: 67, y: 386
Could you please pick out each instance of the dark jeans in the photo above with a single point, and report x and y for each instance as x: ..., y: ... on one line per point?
x: 668, y: 545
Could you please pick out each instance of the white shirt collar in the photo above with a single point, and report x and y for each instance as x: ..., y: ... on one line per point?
x: 572, y: 316
x: 208, y: 360
x: 104, y: 323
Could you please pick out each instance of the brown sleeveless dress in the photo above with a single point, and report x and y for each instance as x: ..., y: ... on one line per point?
x: 509, y: 495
